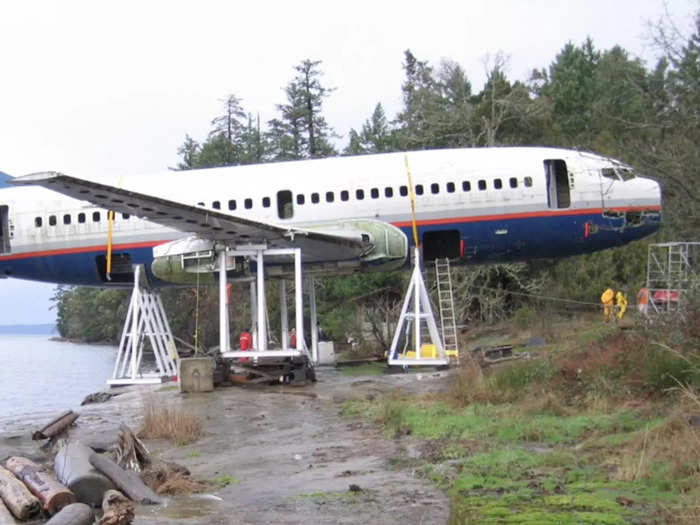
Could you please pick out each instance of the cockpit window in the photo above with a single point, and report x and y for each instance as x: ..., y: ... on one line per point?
x: 609, y: 173
x: 625, y: 173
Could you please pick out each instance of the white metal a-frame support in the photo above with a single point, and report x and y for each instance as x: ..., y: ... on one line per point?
x: 145, y: 319
x: 260, y: 339
x: 417, y: 297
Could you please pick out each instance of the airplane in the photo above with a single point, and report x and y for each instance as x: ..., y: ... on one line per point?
x: 347, y: 214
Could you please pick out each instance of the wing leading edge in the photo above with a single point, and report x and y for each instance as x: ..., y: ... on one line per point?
x: 317, y: 246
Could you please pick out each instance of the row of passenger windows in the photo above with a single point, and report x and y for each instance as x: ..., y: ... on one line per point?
x: 374, y: 193
x: 81, y: 218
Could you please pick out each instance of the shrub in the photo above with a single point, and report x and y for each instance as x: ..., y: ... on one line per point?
x: 173, y: 423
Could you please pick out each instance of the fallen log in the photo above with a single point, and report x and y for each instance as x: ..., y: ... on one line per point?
x: 127, y: 481
x: 6, y: 517
x: 17, y: 497
x: 53, y: 495
x: 117, y: 508
x: 73, y: 514
x: 73, y: 469
x: 56, y: 426
x: 131, y: 453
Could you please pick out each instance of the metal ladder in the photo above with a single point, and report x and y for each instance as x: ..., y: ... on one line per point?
x: 446, y: 304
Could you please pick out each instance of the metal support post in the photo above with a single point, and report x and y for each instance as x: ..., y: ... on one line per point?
x: 298, y: 302
x: 253, y: 313
x: 314, y: 320
x: 224, y: 337
x: 284, y: 321
x: 262, y: 324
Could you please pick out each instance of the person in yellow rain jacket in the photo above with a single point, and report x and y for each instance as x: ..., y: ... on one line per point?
x: 608, y: 300
x: 621, y: 303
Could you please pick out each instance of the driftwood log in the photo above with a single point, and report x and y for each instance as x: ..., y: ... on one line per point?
x: 131, y: 453
x: 17, y: 497
x: 6, y: 517
x: 56, y: 426
x: 73, y: 469
x: 127, y: 481
x: 53, y: 495
x: 73, y: 514
x: 117, y: 508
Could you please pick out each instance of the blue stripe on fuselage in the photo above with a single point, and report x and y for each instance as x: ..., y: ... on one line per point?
x: 500, y: 240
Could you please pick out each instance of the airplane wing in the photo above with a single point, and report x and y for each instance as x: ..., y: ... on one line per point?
x: 317, y: 246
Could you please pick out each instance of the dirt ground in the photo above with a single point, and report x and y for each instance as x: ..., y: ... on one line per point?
x: 288, y: 453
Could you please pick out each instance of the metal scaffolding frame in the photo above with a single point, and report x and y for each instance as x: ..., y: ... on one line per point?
x: 673, y: 269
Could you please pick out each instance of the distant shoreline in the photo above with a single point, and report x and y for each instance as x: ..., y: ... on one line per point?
x: 29, y: 329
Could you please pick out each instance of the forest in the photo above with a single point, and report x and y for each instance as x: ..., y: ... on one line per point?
x: 601, y: 100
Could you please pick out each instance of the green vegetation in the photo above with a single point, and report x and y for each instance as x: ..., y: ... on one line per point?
x: 586, y: 432
x: 224, y: 481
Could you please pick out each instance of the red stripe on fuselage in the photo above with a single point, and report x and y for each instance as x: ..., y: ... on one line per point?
x: 426, y: 222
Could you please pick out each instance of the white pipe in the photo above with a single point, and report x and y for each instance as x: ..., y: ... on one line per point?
x: 416, y: 301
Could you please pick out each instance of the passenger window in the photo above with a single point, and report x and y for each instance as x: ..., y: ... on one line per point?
x: 403, y: 190
x: 434, y: 188
x: 497, y: 183
x: 314, y: 198
x: 300, y: 198
x: 329, y: 196
x: 513, y: 182
x: 450, y: 187
x: 419, y: 189
x: 81, y: 218
x: 216, y: 205
x: 528, y: 182
x: 266, y: 202
x: 374, y: 192
x: 344, y: 195
x: 388, y: 192
x: 52, y: 220
x: 38, y: 222
x: 285, y: 208
x: 96, y: 216
x: 466, y: 185
x: 482, y: 185
x: 248, y: 203
x: 66, y: 219
x: 232, y: 204
x: 125, y: 216
x: 360, y: 194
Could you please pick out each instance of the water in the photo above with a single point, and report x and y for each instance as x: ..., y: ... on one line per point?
x: 40, y: 378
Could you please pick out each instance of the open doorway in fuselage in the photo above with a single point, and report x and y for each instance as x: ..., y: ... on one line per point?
x: 441, y: 244
x: 558, y: 193
x: 4, y: 229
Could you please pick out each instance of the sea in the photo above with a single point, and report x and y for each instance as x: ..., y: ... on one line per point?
x: 41, y: 377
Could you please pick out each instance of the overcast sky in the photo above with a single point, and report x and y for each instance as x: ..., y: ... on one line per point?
x: 92, y: 87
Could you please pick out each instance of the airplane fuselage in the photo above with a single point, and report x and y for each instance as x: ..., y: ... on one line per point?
x: 472, y: 205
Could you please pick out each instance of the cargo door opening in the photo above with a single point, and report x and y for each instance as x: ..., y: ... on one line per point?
x: 441, y: 244
x: 122, y: 269
x: 4, y: 229
x: 558, y: 195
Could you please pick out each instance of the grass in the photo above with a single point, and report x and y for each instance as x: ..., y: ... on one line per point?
x: 175, y: 424
x: 595, y: 429
x: 224, y: 481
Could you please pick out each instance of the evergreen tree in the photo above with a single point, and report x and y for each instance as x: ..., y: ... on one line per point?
x: 302, y: 131
x: 375, y: 136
